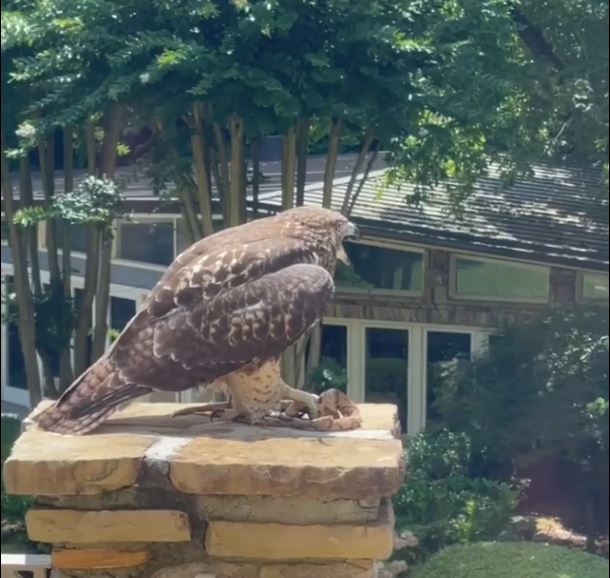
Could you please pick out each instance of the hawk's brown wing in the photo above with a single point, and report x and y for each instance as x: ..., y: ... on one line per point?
x: 255, y: 321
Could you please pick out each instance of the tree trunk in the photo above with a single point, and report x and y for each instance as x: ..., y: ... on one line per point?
x: 112, y: 130
x: 201, y: 170
x: 46, y: 153
x: 189, y: 214
x: 365, y: 176
x: 366, y: 145
x: 26, y: 193
x: 84, y: 322
x: 26, y: 328
x: 90, y: 146
x: 223, y: 183
x: 288, y: 166
x: 65, y: 364
x: 302, y: 149
x: 334, y: 139
x: 85, y: 316
x: 256, y: 172
x: 315, y: 343
x: 102, y: 297
x: 237, y: 194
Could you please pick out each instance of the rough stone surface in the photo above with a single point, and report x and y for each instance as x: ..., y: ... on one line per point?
x: 216, y: 458
x: 287, y: 510
x: 270, y: 541
x: 333, y: 570
x: 98, y: 558
x: 276, y: 466
x: 91, y: 527
x: 210, y: 570
x: 50, y: 464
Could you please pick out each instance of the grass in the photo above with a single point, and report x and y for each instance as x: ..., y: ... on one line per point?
x: 512, y: 560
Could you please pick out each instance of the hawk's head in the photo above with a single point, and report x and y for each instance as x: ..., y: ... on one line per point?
x: 329, y: 227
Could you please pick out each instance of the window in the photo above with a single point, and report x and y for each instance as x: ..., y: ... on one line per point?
x: 78, y: 236
x: 332, y: 369
x: 4, y: 228
x: 499, y: 280
x: 376, y: 267
x: 147, y: 242
x: 121, y: 312
x: 594, y: 287
x: 386, y: 368
x: 442, y: 347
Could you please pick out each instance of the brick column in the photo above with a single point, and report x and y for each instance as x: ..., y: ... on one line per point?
x: 152, y: 496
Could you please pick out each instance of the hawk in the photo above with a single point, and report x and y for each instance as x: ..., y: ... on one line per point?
x: 224, y: 311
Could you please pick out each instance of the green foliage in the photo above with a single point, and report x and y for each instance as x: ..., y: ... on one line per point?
x: 440, y: 504
x: 329, y: 374
x: 512, y: 560
x: 542, y: 389
x: 346, y: 276
x: 439, y: 454
x: 96, y: 200
x: 11, y: 429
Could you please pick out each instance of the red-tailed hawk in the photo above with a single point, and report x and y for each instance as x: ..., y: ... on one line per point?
x: 225, y: 309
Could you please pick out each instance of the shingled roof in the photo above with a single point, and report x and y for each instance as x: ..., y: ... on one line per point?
x: 559, y: 215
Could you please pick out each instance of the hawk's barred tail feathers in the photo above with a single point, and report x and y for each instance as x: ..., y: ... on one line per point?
x: 94, y: 396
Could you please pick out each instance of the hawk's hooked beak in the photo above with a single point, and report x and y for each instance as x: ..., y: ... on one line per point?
x: 350, y: 233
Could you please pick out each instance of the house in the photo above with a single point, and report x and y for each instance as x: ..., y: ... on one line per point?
x: 427, y: 286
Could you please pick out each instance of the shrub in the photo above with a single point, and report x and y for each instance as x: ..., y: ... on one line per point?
x: 541, y: 392
x: 512, y: 560
x: 329, y: 374
x: 440, y: 504
x: 439, y: 454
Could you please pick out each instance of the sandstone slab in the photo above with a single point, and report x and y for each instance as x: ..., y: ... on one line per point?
x: 119, y: 526
x: 50, y: 464
x: 217, y: 458
x: 306, y: 570
x: 276, y: 466
x: 295, y: 510
x: 97, y: 558
x: 271, y: 541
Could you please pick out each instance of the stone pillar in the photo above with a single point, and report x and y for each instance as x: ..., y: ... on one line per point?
x: 152, y: 496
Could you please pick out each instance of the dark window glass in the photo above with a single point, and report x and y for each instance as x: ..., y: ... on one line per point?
x: 443, y: 347
x: 147, y: 242
x: 380, y: 268
x: 121, y: 312
x: 386, y: 369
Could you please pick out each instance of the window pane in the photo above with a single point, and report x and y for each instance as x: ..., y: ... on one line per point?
x: 503, y: 280
x: 78, y: 236
x: 332, y: 371
x: 381, y: 268
x: 4, y: 228
x: 595, y: 287
x: 442, y: 347
x: 386, y: 366
x: 121, y: 312
x: 78, y: 297
x: 16, y: 363
x: 147, y: 242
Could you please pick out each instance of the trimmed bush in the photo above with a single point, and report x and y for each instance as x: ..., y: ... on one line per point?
x: 440, y: 503
x: 512, y: 560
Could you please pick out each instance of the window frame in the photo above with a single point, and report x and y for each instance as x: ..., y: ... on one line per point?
x: 454, y: 295
x: 383, y: 244
x: 580, y: 288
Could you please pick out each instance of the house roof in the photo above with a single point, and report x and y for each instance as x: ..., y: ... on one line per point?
x: 559, y: 216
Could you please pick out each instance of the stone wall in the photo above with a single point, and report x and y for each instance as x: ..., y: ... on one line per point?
x: 153, y: 496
